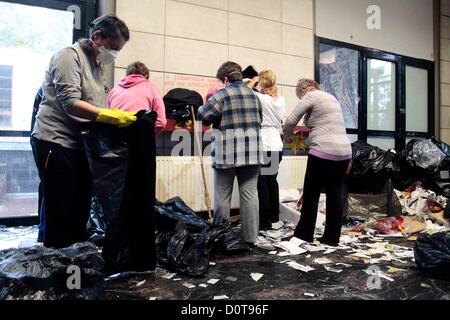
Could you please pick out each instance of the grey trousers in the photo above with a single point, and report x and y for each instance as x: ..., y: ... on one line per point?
x: 248, y: 195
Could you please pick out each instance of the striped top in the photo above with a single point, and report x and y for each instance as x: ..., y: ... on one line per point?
x: 323, y: 115
x: 236, y: 114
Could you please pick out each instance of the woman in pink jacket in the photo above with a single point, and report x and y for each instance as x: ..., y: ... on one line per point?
x: 135, y: 92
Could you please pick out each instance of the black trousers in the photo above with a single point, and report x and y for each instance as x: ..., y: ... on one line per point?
x: 66, y: 181
x: 269, y: 195
x: 331, y: 175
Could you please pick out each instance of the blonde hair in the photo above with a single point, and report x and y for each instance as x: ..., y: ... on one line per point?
x: 267, y: 82
x: 304, y: 84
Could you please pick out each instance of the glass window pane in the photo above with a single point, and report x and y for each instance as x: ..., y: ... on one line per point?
x: 380, y: 95
x: 339, y: 76
x: 416, y: 99
x: 26, y: 45
x: 19, y: 179
x: 384, y: 143
x: 352, y: 137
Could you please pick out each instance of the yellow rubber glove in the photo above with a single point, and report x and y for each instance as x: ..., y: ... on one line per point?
x: 117, y: 117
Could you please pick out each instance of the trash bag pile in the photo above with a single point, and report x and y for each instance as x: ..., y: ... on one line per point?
x: 39, y: 273
x: 123, y: 168
x: 185, y: 241
x: 422, y: 160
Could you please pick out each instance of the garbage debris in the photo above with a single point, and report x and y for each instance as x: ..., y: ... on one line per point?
x: 173, y: 210
x: 213, y: 281
x: 389, y: 225
x: 298, y: 266
x: 432, y: 254
x: 222, y: 297
x: 19, y: 237
x: 426, y: 155
x: 256, y: 276
x: 188, y: 252
x: 373, y: 206
x: 39, y: 273
x: 323, y: 261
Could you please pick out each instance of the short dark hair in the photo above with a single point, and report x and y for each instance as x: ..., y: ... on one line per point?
x: 231, y: 70
x: 138, y: 68
x: 110, y: 27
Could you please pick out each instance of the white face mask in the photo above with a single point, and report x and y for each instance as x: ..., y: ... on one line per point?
x: 107, y: 56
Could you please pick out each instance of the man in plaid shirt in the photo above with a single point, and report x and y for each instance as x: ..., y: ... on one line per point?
x: 236, y: 114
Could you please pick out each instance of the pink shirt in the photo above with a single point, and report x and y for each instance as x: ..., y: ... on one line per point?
x: 135, y: 93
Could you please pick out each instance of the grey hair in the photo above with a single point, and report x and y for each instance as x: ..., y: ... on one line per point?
x: 305, y: 83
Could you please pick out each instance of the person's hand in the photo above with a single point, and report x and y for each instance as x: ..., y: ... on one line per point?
x: 116, y: 117
x: 288, y: 139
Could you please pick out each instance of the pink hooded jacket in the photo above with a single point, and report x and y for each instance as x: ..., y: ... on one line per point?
x: 134, y: 93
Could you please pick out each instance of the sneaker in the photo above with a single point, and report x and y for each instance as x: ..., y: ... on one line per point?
x: 277, y: 225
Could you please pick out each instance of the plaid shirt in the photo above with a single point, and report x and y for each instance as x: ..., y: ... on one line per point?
x: 236, y: 114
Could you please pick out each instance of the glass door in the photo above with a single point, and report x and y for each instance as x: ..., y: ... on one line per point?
x: 381, y: 102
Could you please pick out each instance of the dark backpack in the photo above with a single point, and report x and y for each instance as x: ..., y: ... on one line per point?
x: 178, y: 104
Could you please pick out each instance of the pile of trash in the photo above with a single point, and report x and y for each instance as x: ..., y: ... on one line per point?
x: 185, y: 241
x: 39, y: 273
x: 19, y: 237
x: 376, y: 213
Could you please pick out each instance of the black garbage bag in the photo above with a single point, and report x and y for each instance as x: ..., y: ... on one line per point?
x: 432, y: 254
x: 96, y: 225
x: 188, y: 253
x: 169, y: 213
x: 178, y: 104
x: 229, y: 241
x: 185, y: 255
x: 40, y: 273
x: 123, y: 167
x: 371, y: 168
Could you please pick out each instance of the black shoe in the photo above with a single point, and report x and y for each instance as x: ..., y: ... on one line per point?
x: 329, y: 243
x: 40, y: 237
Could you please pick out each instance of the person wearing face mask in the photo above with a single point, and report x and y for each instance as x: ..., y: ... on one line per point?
x: 74, y: 91
x: 328, y: 159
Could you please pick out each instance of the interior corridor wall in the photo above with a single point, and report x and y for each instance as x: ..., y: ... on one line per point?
x: 445, y: 70
x: 184, y: 42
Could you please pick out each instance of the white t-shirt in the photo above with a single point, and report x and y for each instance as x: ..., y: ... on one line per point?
x: 273, y: 112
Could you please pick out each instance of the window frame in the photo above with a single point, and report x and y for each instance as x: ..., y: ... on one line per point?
x: 89, y: 9
x: 400, y: 134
